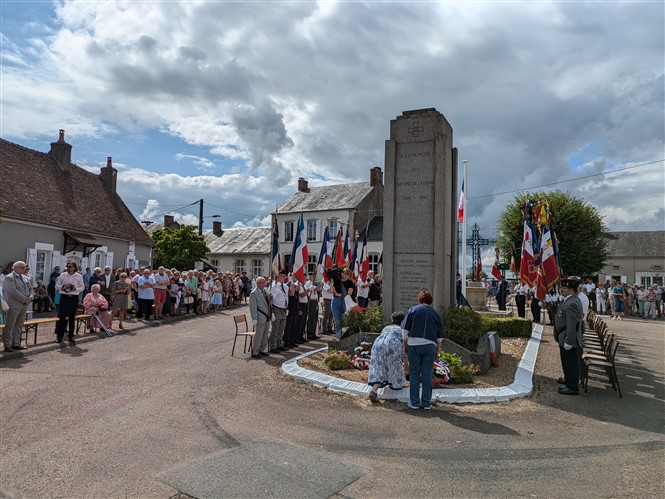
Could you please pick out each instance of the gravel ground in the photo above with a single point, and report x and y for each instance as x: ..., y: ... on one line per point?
x: 511, y: 353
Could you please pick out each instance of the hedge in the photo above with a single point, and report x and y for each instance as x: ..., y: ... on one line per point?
x: 465, y: 326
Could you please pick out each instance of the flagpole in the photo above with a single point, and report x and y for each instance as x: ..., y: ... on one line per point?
x: 465, y: 216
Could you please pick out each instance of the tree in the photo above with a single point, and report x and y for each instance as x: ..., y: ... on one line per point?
x: 179, y: 248
x: 578, y: 226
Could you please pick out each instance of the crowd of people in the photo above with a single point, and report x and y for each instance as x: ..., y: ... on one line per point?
x: 612, y: 297
x: 112, y: 295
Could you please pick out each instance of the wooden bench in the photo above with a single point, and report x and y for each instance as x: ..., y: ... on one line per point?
x: 33, y: 324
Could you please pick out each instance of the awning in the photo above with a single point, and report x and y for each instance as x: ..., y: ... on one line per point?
x: 75, y: 239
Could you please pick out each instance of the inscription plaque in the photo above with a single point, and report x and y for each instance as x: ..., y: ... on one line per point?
x: 412, y: 273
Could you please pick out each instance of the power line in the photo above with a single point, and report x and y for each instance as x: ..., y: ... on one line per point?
x: 569, y: 180
x: 237, y: 212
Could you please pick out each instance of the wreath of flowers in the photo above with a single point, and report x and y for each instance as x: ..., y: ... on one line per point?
x: 361, y: 356
x: 441, y: 373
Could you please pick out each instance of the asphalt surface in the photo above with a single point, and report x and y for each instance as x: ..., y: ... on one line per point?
x: 166, y: 411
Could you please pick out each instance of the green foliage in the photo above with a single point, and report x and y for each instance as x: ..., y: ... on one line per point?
x: 464, y: 326
x: 179, y: 248
x: 337, y: 360
x: 452, y: 359
x: 464, y: 374
x: 578, y: 225
x: 367, y: 320
x: 507, y: 327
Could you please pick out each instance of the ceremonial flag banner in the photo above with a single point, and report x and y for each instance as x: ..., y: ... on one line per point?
x: 300, y: 255
x: 527, y: 263
x: 276, y: 257
x: 495, y: 268
x: 548, y: 259
x: 460, y: 206
x: 339, y: 251
x: 364, y: 259
x: 541, y: 286
x: 352, y: 261
x: 323, y: 258
x: 348, y: 252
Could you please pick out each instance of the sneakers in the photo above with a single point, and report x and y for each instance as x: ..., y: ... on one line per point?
x: 427, y: 408
x: 412, y: 406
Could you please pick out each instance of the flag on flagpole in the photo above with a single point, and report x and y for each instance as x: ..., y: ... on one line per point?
x: 495, y: 268
x: 338, y: 259
x: 348, y: 252
x: 513, y: 266
x: 323, y: 255
x: 353, y: 263
x: 276, y: 257
x: 460, y: 206
x: 364, y: 259
x: 300, y: 255
x: 548, y: 260
x: 380, y: 267
x: 541, y: 286
x: 527, y: 265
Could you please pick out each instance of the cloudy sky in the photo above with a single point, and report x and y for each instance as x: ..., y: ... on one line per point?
x: 233, y: 101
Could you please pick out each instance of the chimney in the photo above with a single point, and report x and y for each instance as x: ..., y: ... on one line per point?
x: 375, y: 176
x: 168, y: 221
x: 302, y: 185
x: 61, y: 151
x: 109, y: 175
x: 217, y: 228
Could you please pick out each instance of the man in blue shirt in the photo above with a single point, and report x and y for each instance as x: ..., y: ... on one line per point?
x: 146, y: 297
x: 422, y: 335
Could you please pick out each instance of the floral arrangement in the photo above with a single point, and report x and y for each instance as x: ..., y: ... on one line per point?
x: 368, y: 320
x: 362, y: 355
x: 441, y: 374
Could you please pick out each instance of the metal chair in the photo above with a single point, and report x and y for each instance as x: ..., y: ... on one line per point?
x: 238, y: 320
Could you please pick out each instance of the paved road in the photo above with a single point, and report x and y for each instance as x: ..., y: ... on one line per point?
x: 167, y: 410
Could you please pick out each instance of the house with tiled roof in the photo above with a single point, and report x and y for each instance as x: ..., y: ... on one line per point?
x: 351, y: 206
x: 237, y: 250
x: 54, y: 211
x: 635, y: 257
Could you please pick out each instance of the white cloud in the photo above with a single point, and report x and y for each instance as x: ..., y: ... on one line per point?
x: 283, y: 90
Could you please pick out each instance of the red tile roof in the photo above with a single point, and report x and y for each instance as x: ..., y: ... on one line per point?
x: 34, y: 188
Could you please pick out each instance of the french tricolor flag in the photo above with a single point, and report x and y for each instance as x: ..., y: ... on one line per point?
x: 460, y: 207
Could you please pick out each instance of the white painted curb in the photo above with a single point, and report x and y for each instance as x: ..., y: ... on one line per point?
x: 522, y: 386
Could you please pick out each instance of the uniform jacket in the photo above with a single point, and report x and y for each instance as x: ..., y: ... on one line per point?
x: 567, y: 327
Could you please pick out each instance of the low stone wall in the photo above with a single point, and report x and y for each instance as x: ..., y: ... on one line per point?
x: 481, y: 357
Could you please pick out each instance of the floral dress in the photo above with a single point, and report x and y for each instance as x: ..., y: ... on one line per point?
x: 386, y: 366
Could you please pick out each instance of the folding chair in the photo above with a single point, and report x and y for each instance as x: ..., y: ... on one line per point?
x: 238, y: 320
x: 608, y: 365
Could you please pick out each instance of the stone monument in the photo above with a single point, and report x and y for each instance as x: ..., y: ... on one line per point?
x: 420, y: 211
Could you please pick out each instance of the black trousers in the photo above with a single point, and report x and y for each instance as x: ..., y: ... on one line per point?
x: 302, y: 321
x: 66, y: 316
x: 520, y: 301
x: 535, y: 310
x: 570, y: 362
x: 312, y: 318
x: 145, y: 308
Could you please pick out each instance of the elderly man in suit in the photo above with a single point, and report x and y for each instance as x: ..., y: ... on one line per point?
x: 568, y: 333
x: 18, y: 293
x: 259, y: 309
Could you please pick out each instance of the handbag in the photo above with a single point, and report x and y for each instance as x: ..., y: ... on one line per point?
x: 4, y: 305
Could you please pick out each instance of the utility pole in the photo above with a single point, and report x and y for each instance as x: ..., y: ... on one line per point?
x: 200, y: 217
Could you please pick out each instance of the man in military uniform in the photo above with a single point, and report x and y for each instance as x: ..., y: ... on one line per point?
x: 568, y: 333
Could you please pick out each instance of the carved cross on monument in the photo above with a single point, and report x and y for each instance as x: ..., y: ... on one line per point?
x: 416, y: 129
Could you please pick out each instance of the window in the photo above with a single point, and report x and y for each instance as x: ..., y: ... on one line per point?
x: 257, y: 267
x: 286, y: 262
x: 288, y: 231
x: 311, y: 230
x: 645, y: 281
x: 332, y: 228
x: 40, y: 266
x: 96, y: 261
x: 374, y: 262
x: 657, y: 279
x: 215, y: 262
x: 311, y: 263
x: 240, y: 265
